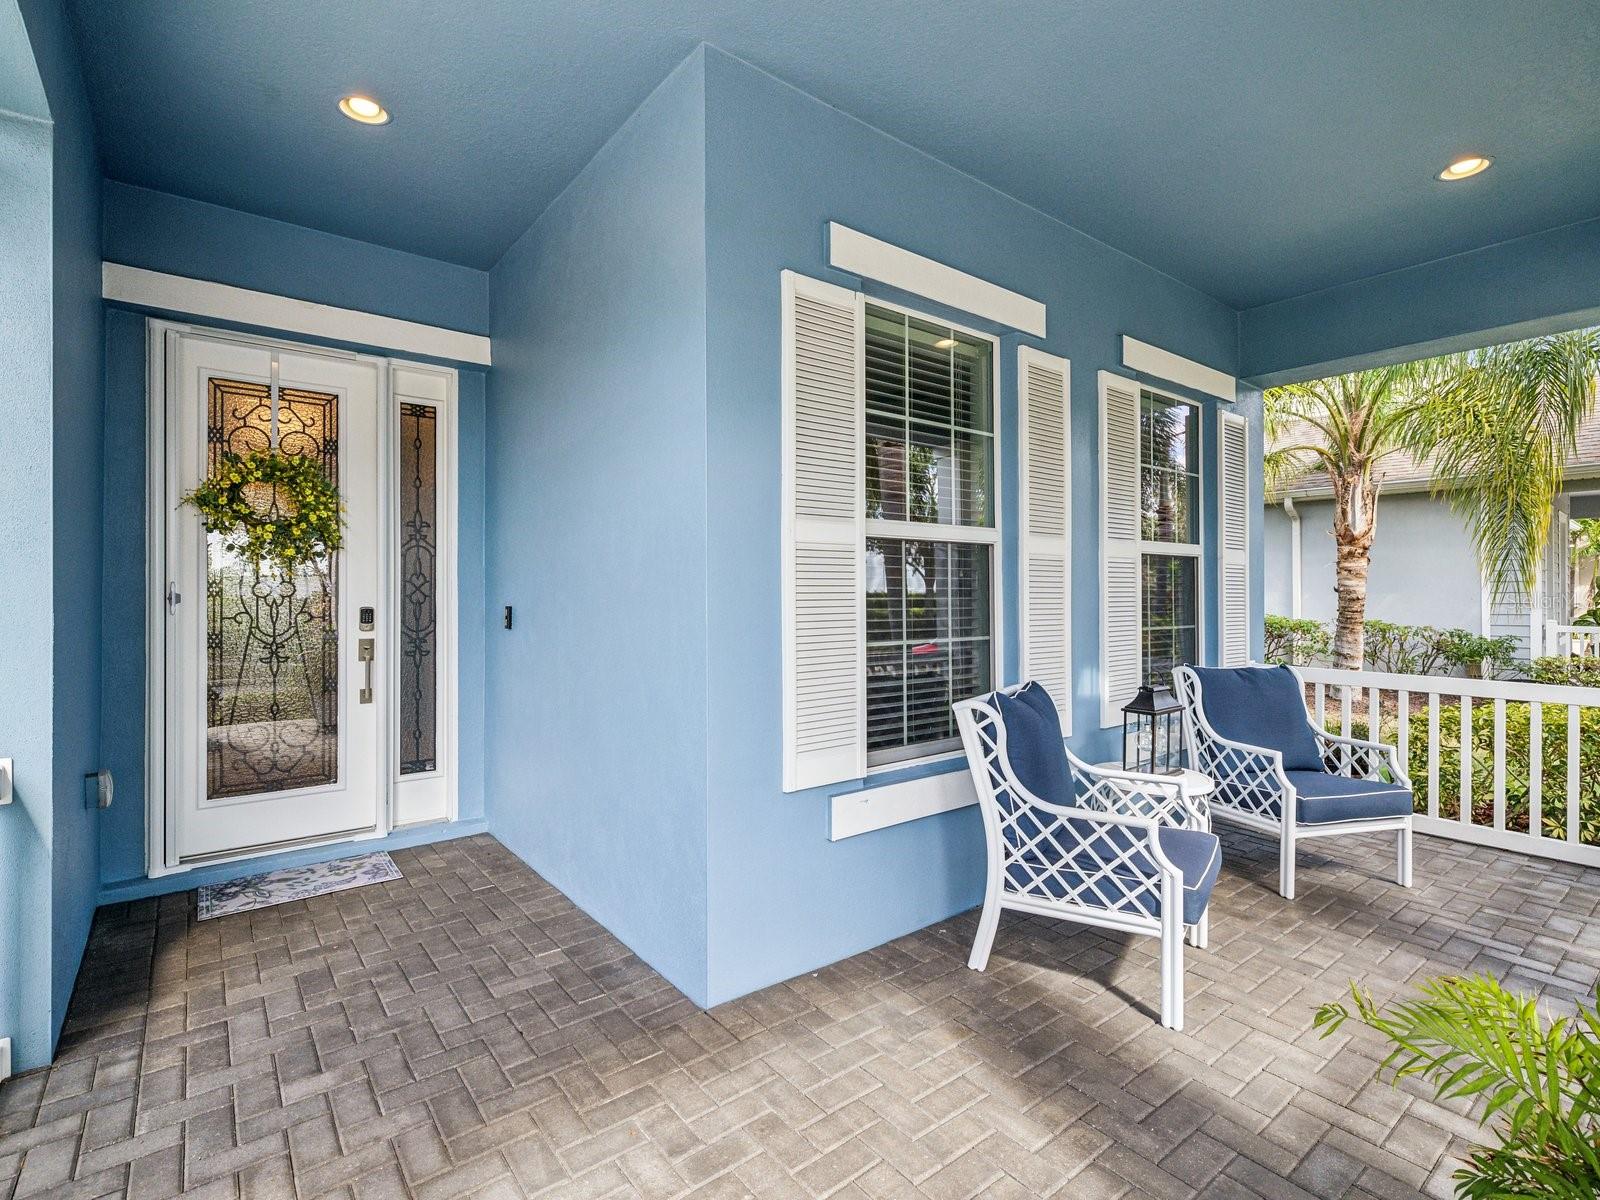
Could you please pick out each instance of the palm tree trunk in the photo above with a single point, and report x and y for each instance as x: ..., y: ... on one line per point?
x: 1355, y: 514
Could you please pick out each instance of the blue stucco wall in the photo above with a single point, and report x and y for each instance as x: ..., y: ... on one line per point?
x: 1520, y: 288
x: 26, y: 291
x: 779, y: 166
x: 595, y: 703
x: 161, y: 232
x: 75, y: 492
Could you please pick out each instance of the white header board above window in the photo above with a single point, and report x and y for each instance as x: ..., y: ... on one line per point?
x: 1164, y: 364
x: 855, y: 252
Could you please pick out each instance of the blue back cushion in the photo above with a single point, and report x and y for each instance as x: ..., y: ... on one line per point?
x: 1261, y: 706
x: 1033, y: 743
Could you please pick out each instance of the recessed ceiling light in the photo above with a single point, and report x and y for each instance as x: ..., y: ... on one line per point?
x: 364, y: 109
x: 1466, y: 168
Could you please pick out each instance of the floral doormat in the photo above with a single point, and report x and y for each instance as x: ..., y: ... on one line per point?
x: 294, y: 883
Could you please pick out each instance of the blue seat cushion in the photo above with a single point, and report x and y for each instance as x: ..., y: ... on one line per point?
x: 1198, y: 855
x: 1323, y: 797
x: 1260, y: 706
x: 1034, y: 747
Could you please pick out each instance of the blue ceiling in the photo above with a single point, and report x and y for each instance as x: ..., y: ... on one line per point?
x: 1256, y: 150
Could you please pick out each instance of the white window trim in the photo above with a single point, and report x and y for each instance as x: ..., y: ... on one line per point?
x: 1194, y: 550
x: 970, y: 534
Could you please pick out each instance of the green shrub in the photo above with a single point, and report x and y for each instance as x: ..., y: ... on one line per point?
x: 1403, y: 649
x: 1479, y: 656
x: 1474, y: 1040
x: 1296, y: 641
x: 1560, y: 669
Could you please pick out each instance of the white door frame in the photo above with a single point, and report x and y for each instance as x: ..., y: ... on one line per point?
x: 439, y: 384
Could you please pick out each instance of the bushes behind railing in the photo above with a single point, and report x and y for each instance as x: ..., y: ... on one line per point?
x: 1397, y: 649
x: 1517, y: 764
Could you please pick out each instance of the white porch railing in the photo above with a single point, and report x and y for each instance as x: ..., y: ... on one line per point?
x: 1508, y: 764
x: 1564, y: 640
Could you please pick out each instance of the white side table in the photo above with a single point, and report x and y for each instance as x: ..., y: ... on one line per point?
x: 1199, y: 784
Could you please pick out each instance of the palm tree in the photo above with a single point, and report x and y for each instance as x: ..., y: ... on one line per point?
x: 1498, y: 425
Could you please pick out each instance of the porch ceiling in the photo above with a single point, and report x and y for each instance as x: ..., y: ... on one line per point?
x: 1255, y: 150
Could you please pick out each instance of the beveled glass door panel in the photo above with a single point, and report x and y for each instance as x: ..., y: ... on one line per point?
x: 274, y: 690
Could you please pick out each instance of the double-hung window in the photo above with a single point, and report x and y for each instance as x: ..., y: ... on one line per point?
x: 1169, y: 535
x: 930, y: 533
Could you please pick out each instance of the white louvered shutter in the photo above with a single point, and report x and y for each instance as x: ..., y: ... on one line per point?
x: 1233, y: 483
x: 824, y: 612
x: 1120, y: 596
x: 1044, y: 389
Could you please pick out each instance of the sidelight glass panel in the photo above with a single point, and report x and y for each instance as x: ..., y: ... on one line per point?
x: 419, y: 610
x: 272, y: 639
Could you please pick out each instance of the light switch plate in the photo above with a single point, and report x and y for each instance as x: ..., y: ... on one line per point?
x: 5, y: 782
x: 5, y: 1058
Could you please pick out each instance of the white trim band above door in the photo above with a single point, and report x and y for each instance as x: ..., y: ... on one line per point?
x: 241, y: 306
x: 855, y: 252
x: 1164, y: 364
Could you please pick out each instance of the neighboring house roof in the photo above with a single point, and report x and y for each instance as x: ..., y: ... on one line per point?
x: 1403, y: 472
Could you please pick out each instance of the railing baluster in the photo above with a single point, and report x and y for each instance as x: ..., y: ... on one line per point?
x: 1402, y: 738
x: 1433, y: 754
x: 1572, y: 776
x: 1535, y: 767
x: 1499, y: 763
x: 1518, y: 773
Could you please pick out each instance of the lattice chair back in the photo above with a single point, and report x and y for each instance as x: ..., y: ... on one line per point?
x: 1249, y: 780
x: 1087, y: 854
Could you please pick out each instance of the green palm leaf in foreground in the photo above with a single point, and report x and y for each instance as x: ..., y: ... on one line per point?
x: 1537, y: 1080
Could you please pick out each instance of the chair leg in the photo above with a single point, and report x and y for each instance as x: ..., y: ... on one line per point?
x: 1403, y: 856
x: 1172, y: 979
x: 988, y: 922
x: 1202, y: 931
x: 1286, y: 863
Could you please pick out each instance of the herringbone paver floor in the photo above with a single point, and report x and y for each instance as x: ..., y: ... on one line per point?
x: 467, y: 1031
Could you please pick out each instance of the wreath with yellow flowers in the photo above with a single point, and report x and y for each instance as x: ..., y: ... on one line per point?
x: 271, y: 508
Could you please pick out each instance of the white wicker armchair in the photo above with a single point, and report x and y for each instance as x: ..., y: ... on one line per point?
x: 1281, y: 774
x: 1131, y: 852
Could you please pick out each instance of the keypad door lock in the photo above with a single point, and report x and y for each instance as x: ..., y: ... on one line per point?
x: 367, y: 617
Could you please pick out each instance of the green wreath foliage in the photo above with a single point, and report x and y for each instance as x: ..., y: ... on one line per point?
x: 271, y: 508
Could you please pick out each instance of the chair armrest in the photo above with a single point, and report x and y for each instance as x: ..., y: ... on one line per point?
x: 1163, y: 798
x: 1358, y: 758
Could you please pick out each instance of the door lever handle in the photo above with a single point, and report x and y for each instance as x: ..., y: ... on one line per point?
x: 364, y: 652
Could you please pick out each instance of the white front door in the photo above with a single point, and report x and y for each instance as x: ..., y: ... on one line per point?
x: 275, y: 701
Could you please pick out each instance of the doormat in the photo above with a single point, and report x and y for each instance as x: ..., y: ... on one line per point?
x: 294, y: 883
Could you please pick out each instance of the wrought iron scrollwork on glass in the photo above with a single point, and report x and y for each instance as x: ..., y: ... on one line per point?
x: 272, y: 639
x: 419, y: 611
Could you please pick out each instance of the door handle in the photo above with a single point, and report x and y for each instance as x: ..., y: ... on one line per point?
x: 364, y: 652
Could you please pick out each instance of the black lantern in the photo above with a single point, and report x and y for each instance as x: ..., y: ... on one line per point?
x: 1152, y: 732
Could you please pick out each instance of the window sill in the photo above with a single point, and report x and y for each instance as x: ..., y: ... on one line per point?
x: 872, y: 808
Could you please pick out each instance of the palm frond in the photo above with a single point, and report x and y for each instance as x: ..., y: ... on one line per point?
x: 1472, y: 1038
x: 1500, y: 424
